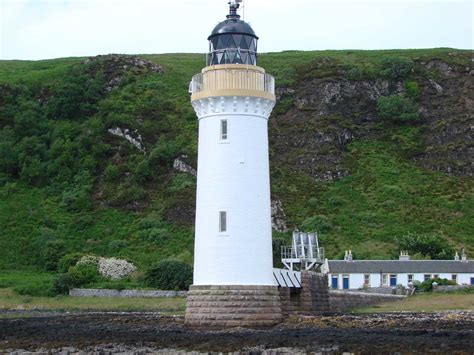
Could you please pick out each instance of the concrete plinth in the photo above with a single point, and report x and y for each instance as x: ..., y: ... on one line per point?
x: 233, y: 306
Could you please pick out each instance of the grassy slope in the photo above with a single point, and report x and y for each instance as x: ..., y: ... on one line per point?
x: 428, y: 302
x: 11, y: 301
x: 385, y: 197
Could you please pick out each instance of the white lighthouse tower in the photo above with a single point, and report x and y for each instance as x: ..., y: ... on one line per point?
x: 233, y: 99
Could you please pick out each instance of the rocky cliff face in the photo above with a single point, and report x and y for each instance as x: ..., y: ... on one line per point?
x: 448, y: 110
x: 323, y: 115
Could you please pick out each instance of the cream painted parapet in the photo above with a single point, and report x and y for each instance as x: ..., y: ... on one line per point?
x: 233, y: 105
x: 232, y: 80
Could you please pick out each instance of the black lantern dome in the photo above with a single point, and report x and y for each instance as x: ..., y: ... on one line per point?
x: 232, y: 41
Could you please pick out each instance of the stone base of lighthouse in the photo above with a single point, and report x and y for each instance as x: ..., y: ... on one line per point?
x: 233, y: 306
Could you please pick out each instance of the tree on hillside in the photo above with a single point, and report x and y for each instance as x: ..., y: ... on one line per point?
x: 427, y: 245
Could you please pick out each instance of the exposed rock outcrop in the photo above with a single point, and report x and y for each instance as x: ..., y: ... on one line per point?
x: 278, y: 217
x: 133, y: 137
x: 115, y: 66
x: 180, y: 165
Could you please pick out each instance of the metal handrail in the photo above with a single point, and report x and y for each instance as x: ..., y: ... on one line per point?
x: 288, y: 252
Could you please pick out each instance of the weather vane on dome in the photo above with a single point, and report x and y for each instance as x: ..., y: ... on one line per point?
x: 234, y: 6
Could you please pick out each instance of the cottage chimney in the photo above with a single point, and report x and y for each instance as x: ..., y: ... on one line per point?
x: 349, y: 256
x: 346, y: 255
x: 463, y: 256
x: 456, y: 256
x: 404, y: 256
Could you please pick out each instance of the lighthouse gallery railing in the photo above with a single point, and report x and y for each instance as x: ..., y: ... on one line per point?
x: 225, y: 78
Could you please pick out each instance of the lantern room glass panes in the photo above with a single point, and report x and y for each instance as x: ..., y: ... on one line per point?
x: 233, y: 49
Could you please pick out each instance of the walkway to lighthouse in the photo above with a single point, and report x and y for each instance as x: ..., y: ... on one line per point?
x: 287, y: 278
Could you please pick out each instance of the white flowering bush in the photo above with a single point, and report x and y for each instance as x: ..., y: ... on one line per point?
x: 115, y: 269
x: 87, y: 260
x: 110, y: 268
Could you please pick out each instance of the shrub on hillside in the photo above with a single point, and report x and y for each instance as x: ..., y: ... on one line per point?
x: 77, y: 276
x: 51, y: 252
x: 89, y: 260
x: 413, y: 89
x: 430, y: 245
x: 169, y: 275
x: 68, y: 261
x: 397, y: 108
x: 76, y: 199
x: 396, y: 68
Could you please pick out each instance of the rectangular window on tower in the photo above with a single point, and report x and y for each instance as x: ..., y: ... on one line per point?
x: 222, y: 221
x: 223, y: 130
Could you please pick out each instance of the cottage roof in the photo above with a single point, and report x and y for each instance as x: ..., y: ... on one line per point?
x: 401, y: 266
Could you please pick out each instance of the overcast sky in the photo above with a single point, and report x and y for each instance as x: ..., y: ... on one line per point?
x: 39, y: 29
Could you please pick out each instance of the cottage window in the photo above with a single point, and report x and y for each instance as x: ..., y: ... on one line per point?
x: 222, y: 221
x: 410, y: 278
x: 384, y: 279
x: 435, y: 276
x: 454, y: 277
x: 367, y: 280
x: 427, y: 277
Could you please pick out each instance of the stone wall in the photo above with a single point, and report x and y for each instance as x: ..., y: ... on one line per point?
x: 232, y: 306
x: 344, y: 300
x: 311, y: 298
x: 449, y: 288
x: 83, y: 292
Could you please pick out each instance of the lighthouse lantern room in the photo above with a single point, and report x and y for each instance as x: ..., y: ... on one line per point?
x: 233, y: 99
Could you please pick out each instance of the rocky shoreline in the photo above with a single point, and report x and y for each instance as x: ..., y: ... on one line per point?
x: 142, y: 333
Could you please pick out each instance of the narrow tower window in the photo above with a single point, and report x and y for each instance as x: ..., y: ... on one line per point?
x: 223, y: 130
x: 222, y: 221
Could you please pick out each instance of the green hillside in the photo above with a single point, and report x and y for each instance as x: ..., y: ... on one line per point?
x: 373, y: 149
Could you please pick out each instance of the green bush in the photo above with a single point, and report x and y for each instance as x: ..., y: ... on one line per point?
x: 77, y: 276
x: 427, y: 286
x: 68, y: 261
x: 169, y: 275
x: 413, y: 89
x: 77, y: 199
x: 396, y: 68
x: 397, y: 108
x: 63, y: 283
x: 51, y: 252
x: 429, y: 245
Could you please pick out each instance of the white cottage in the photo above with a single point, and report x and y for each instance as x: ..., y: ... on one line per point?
x: 356, y: 274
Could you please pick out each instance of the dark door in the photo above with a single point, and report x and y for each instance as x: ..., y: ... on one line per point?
x: 335, y: 282
x: 393, y: 280
x: 345, y: 282
x: 472, y: 281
